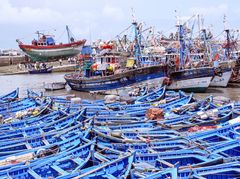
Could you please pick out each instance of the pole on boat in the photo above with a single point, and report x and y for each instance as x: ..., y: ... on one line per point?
x: 181, y: 40
x: 137, y: 39
x: 228, y: 43
x: 137, y: 47
x: 68, y: 33
x: 228, y: 36
x: 182, y: 45
x: 207, y: 51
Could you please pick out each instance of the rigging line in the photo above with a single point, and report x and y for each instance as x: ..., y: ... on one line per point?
x: 218, y: 35
x: 168, y: 30
x: 60, y: 36
x: 123, y: 31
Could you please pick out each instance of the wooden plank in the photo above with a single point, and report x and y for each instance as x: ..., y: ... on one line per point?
x: 59, y: 170
x: 34, y: 174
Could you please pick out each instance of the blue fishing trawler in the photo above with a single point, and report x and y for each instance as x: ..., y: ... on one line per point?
x: 134, y: 73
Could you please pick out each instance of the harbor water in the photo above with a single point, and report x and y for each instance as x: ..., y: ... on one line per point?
x: 36, y: 83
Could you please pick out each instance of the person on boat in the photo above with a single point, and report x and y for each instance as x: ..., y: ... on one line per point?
x: 177, y: 63
x: 44, y: 65
x: 41, y: 66
x: 19, y: 66
x: 69, y: 60
x: 30, y: 66
x: 60, y: 62
x: 36, y: 65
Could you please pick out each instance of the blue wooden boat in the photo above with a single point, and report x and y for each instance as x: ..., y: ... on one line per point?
x: 38, y: 141
x: 201, y: 105
x: 16, y: 103
x: 33, y: 94
x: 32, y: 135
x: 136, y: 134
x: 168, y: 97
x: 151, y: 146
x: 24, y: 104
x: 119, y: 168
x: 152, y: 96
x: 16, y: 136
x: 105, y: 120
x: 40, y: 71
x: 138, y: 110
x: 183, y: 158
x: 230, y: 170
x: 27, y: 122
x: 59, y: 165
x: 208, y: 118
x: 10, y: 96
x: 226, y: 171
x: 42, y: 153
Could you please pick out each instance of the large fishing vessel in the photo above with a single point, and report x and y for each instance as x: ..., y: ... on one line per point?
x: 45, y: 48
x: 99, y: 78
x: 128, y: 77
x: 195, y: 79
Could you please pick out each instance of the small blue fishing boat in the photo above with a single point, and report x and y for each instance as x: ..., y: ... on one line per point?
x: 152, y: 96
x: 57, y: 165
x: 10, y: 96
x: 33, y: 94
x: 119, y: 168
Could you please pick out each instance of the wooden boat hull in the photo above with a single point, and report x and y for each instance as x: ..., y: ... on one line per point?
x: 54, y: 86
x: 46, y: 70
x: 192, y: 80
x: 115, y: 81
x: 10, y: 96
x: 44, y: 53
x: 191, y: 85
x: 222, y: 81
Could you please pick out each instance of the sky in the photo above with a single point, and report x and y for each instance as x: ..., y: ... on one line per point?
x: 104, y: 19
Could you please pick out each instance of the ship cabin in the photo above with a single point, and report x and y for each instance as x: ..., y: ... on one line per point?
x: 109, y: 59
x: 106, y: 65
x: 44, y: 40
x: 151, y: 59
x: 171, y: 56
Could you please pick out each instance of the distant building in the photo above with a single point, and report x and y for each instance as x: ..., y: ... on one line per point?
x: 11, y: 52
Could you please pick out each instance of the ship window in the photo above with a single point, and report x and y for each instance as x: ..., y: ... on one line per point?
x: 113, y: 60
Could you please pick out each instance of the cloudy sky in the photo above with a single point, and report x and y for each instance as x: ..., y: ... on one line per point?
x: 103, y: 19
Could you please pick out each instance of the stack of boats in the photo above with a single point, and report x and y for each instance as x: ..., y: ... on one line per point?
x: 181, y: 63
x: 184, y: 62
x: 160, y: 134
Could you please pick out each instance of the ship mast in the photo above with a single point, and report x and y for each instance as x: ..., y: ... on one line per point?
x: 179, y: 25
x: 137, y: 40
x: 70, y: 35
x: 182, y: 46
x: 228, y: 36
x: 207, y: 51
